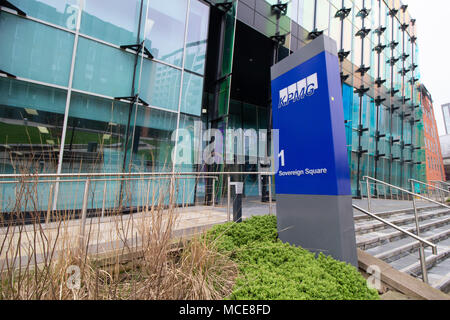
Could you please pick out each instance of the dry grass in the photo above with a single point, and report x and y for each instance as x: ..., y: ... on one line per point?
x: 53, y: 261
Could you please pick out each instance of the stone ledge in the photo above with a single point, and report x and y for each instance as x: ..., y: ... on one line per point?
x: 399, y: 281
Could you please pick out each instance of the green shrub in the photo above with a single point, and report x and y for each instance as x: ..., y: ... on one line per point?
x: 270, y: 269
x: 231, y: 236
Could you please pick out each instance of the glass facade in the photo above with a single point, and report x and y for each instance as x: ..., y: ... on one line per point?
x: 78, y: 95
x: 378, y: 50
x: 446, y: 115
x: 100, y: 85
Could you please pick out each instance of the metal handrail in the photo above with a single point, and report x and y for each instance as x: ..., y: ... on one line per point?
x: 414, y: 195
x: 428, y: 185
x: 129, y: 174
x: 442, y: 182
x: 407, y: 191
x: 412, y: 235
x: 101, y: 179
x: 89, y: 178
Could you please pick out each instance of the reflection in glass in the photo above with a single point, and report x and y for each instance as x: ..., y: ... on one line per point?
x: 166, y: 20
x: 114, y: 21
x: 35, y: 51
x: 31, y: 119
x: 102, y: 69
x: 191, y: 100
x: 160, y: 85
x: 306, y: 9
x: 95, y: 135
x: 60, y: 12
x: 323, y: 15
x: 152, y: 145
x: 197, y: 37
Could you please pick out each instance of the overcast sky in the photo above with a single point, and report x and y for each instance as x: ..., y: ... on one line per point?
x: 434, y: 58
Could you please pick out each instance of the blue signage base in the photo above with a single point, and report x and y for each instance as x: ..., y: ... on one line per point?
x: 314, y: 202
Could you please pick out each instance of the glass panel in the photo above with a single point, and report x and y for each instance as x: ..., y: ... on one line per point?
x: 95, y: 135
x: 347, y: 37
x: 292, y: 10
x: 186, y: 187
x: 323, y: 15
x: 197, y: 37
x: 152, y: 146
x: 114, y: 21
x: 103, y: 69
x: 60, y: 12
x: 35, y: 51
x: 335, y: 27
x: 31, y: 120
x: 160, y: 85
x: 166, y: 20
x: 191, y: 100
x: 306, y: 12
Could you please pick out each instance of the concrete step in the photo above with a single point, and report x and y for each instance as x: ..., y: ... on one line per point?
x: 443, y: 284
x: 359, y: 217
x: 397, y: 249
x: 432, y: 261
x: 439, y: 274
x: 399, y: 220
x: 374, y: 239
x: 438, y: 266
x: 400, y: 251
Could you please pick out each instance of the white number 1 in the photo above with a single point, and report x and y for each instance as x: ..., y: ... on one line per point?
x: 281, y: 155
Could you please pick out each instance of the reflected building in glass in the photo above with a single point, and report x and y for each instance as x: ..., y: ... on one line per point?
x: 100, y: 85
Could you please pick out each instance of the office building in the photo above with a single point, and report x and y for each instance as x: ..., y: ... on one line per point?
x: 76, y: 95
x: 433, y: 153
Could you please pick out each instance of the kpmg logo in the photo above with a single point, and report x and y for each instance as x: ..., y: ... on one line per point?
x: 299, y: 90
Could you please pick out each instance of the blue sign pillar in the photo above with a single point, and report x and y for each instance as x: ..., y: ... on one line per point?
x: 314, y: 202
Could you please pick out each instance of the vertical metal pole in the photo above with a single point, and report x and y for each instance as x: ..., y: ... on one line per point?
x: 376, y: 190
x: 228, y: 198
x: 368, y: 196
x: 1, y: 198
x: 68, y: 98
x: 421, y: 250
x: 270, y: 195
x: 148, y: 195
x: 49, y: 207
x: 84, y: 214
x: 184, y: 191
x: 104, y: 200
x: 214, y: 192
x: 360, y: 190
